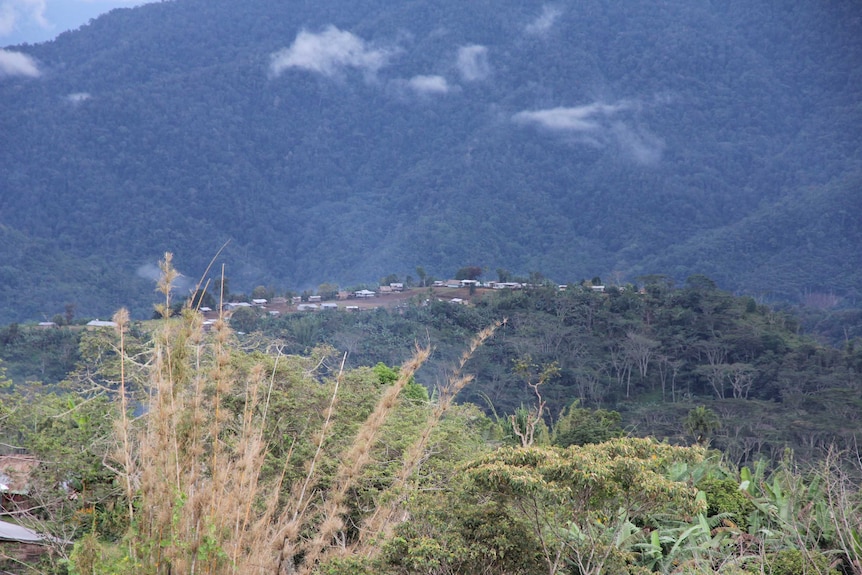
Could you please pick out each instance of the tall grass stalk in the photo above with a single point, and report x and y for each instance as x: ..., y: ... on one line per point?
x: 378, y: 525
x: 354, y: 460
x: 192, y: 466
x: 121, y: 318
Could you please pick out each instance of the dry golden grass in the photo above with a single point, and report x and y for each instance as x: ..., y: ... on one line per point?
x: 193, y: 468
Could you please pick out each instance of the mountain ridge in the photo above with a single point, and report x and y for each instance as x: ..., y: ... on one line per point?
x: 342, y: 142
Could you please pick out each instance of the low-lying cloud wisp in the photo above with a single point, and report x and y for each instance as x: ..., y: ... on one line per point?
x: 429, y: 84
x: 149, y: 271
x: 600, y: 125
x: 544, y: 21
x: 473, y: 63
x: 78, y: 97
x: 17, y: 64
x: 328, y: 53
x: 579, y: 119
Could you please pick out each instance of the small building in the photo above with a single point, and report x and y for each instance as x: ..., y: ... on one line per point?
x: 507, y: 285
x: 15, y: 473
x: 315, y: 298
x: 439, y: 283
x: 97, y: 323
x: 329, y: 305
x: 600, y: 289
x: 296, y: 300
x: 397, y: 286
x: 364, y: 293
x: 23, y: 546
x: 343, y: 295
x: 259, y: 302
x: 47, y: 324
x: 307, y: 307
x: 279, y: 300
x: 468, y: 283
x: 385, y: 289
x: 352, y: 308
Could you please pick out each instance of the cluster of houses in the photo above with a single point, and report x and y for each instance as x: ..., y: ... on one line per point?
x: 500, y: 285
x: 310, y: 303
x: 276, y: 305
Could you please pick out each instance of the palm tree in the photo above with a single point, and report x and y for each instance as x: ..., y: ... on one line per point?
x: 700, y: 423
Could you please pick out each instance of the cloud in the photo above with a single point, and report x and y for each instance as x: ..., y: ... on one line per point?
x: 14, y: 12
x: 473, y: 63
x: 78, y: 97
x: 17, y: 64
x: 545, y: 21
x: 328, y: 53
x: 153, y: 273
x: 600, y: 125
x: 644, y: 148
x: 579, y: 119
x: 429, y: 84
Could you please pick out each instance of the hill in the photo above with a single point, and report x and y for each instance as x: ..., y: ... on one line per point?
x: 334, y: 141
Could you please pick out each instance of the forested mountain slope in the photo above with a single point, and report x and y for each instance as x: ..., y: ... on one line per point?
x: 336, y: 141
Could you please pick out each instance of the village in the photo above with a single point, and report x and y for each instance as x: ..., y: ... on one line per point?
x: 454, y: 291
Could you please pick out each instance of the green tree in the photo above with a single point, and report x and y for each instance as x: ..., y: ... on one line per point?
x: 327, y: 291
x: 468, y: 273
x: 390, y: 279
x: 700, y: 423
x: 70, y: 492
x: 245, y: 319
x: 69, y: 312
x: 263, y: 292
x: 579, y: 426
x: 582, y: 503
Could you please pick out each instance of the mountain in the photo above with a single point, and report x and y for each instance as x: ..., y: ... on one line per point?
x: 336, y: 141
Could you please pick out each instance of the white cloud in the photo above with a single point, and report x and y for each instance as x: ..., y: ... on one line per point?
x: 153, y: 273
x: 14, y: 12
x: 473, y: 63
x: 545, y: 21
x: 600, y: 125
x: 17, y: 64
x: 78, y: 97
x: 429, y: 84
x: 32, y: 21
x: 579, y: 119
x: 328, y: 53
x: 644, y: 148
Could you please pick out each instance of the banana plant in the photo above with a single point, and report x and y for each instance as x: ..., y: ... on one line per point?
x: 702, y: 543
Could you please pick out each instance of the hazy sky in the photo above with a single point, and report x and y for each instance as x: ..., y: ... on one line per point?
x: 40, y: 20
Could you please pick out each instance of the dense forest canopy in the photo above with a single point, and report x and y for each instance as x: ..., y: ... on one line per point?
x: 177, y: 446
x: 648, y: 355
x: 333, y: 141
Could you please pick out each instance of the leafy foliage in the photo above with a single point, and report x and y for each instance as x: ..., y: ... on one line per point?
x: 252, y: 459
x: 719, y: 135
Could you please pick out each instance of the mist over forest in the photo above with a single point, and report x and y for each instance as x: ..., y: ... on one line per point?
x: 341, y: 142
